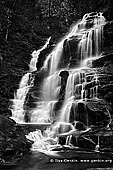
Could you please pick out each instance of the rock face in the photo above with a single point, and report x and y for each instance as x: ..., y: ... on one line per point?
x: 64, y: 75
x: 70, y: 50
x: 13, y: 142
x: 91, y: 112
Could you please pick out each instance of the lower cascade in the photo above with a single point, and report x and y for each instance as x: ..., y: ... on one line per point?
x: 69, y: 90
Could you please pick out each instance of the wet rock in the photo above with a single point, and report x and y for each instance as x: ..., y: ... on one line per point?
x: 103, y: 60
x: 64, y: 128
x: 98, y: 113
x: 62, y: 140
x: 77, y: 92
x: 2, y: 137
x: 12, y: 140
x: 108, y: 69
x: 79, y: 125
x: 91, y: 84
x: 91, y: 112
x: 64, y: 75
x: 43, y: 55
x: 62, y: 93
x: 58, y: 106
x: 107, y: 88
x: 9, y: 151
x: 70, y: 51
x: 108, y: 37
x: 109, y: 97
x: 6, y: 124
x: 73, y: 62
x: 2, y: 142
x: 84, y: 143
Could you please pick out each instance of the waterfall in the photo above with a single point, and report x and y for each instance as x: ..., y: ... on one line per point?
x: 35, y: 56
x: 26, y: 83
x: 89, y: 33
x: 50, y: 92
x: 51, y: 87
x: 92, y: 37
x: 70, y: 86
x: 79, y: 85
x: 89, y: 46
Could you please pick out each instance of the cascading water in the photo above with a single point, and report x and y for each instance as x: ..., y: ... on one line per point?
x: 26, y: 83
x: 89, y: 46
x: 20, y: 95
x: 88, y: 32
x: 92, y: 36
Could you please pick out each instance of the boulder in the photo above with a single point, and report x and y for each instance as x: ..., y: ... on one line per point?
x: 64, y: 75
x: 79, y: 125
x: 13, y: 141
x: 6, y: 124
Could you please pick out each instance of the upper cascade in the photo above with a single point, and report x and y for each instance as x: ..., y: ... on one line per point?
x: 35, y: 56
x: 89, y: 32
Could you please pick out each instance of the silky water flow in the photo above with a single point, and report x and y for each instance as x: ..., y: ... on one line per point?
x: 89, y: 32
